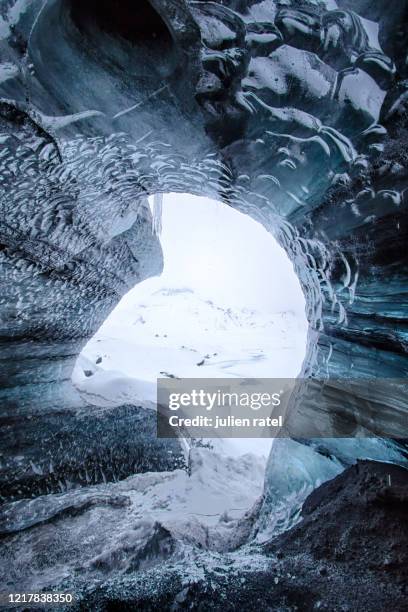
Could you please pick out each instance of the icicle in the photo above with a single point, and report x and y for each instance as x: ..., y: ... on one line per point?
x: 157, y: 213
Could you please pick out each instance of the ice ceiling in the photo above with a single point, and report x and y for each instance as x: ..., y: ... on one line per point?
x: 292, y: 112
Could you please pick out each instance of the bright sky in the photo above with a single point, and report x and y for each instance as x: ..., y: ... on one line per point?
x: 226, y: 256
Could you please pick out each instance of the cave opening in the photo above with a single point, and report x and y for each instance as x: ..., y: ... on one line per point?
x: 227, y: 304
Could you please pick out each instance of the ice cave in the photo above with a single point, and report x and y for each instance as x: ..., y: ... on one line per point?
x: 292, y: 114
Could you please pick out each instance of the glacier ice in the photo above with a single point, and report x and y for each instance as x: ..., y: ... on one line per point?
x: 157, y: 213
x: 294, y: 112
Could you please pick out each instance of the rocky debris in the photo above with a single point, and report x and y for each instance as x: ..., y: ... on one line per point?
x: 349, y: 553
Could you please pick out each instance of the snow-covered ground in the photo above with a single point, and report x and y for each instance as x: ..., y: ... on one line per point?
x: 165, y: 331
x: 228, y: 304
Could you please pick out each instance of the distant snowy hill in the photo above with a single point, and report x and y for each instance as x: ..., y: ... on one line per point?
x: 170, y: 331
